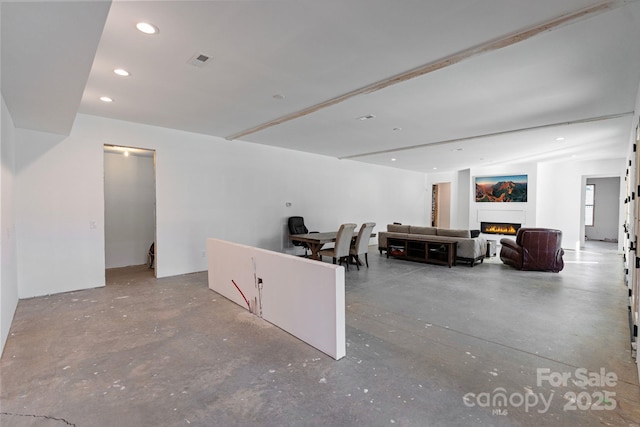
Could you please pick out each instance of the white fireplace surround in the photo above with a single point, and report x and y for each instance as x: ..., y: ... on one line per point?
x: 517, y: 216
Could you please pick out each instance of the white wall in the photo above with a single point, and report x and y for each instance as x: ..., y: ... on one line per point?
x: 606, y: 224
x: 464, y: 200
x: 129, y: 196
x: 561, y: 195
x: 523, y: 213
x: 59, y: 213
x: 466, y: 213
x: 554, y: 195
x: 205, y: 187
x: 8, y: 269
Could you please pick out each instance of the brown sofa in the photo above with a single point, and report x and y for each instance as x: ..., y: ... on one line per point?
x: 469, y: 249
x: 534, y: 249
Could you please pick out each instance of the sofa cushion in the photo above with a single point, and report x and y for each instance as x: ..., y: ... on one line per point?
x: 431, y: 231
x: 453, y: 233
x: 396, y: 228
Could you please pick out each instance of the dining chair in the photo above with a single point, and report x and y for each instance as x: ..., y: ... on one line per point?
x: 362, y: 244
x: 340, y: 250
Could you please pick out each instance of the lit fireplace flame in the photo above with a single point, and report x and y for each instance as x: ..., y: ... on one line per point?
x: 501, y: 229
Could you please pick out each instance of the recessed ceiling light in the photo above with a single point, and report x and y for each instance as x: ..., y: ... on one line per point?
x: 367, y: 117
x: 560, y: 138
x: 122, y: 72
x: 397, y: 129
x: 435, y: 169
x: 147, y: 28
x: 105, y: 99
x: 394, y: 159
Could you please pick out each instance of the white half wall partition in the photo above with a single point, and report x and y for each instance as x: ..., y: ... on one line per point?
x: 303, y: 297
x: 8, y: 249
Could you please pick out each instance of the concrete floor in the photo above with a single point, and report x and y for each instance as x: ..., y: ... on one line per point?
x: 426, y: 346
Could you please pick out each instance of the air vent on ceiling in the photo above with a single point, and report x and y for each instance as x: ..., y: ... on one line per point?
x: 199, y: 59
x: 367, y: 117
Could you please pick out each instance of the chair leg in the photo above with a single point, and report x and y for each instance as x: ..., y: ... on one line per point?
x: 334, y: 260
x: 357, y: 261
x: 366, y: 258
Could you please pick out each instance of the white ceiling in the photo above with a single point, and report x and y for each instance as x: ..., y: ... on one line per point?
x: 493, y: 81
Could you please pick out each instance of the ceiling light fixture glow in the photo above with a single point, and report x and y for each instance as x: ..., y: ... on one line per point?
x: 147, y: 28
x: 122, y: 72
x: 394, y: 159
x: 560, y: 138
x: 105, y: 99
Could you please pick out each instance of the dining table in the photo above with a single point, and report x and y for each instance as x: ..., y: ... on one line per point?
x: 315, y: 241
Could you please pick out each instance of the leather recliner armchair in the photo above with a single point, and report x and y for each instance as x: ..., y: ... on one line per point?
x: 534, y: 249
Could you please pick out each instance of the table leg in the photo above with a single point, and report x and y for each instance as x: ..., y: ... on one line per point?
x: 452, y: 254
x: 315, y: 248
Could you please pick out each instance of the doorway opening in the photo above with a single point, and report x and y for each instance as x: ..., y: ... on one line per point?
x: 130, y: 213
x: 601, y: 209
x: 441, y: 205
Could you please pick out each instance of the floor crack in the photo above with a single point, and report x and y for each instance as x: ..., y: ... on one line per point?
x: 38, y: 416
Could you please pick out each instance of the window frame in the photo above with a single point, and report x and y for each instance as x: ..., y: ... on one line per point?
x: 591, y: 205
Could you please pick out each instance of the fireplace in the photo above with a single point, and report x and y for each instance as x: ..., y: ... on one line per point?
x: 508, y: 228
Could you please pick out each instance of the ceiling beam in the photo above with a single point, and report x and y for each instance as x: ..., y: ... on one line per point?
x: 489, y: 135
x: 492, y: 45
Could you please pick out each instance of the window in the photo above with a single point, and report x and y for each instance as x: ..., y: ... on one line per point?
x: 589, y: 204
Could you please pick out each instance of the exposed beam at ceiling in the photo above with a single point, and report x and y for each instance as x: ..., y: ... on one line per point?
x: 500, y: 43
x: 488, y: 135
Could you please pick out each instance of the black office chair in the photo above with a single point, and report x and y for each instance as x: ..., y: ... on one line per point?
x: 296, y: 226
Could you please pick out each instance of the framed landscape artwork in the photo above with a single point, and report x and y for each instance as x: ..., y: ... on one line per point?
x: 508, y: 188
